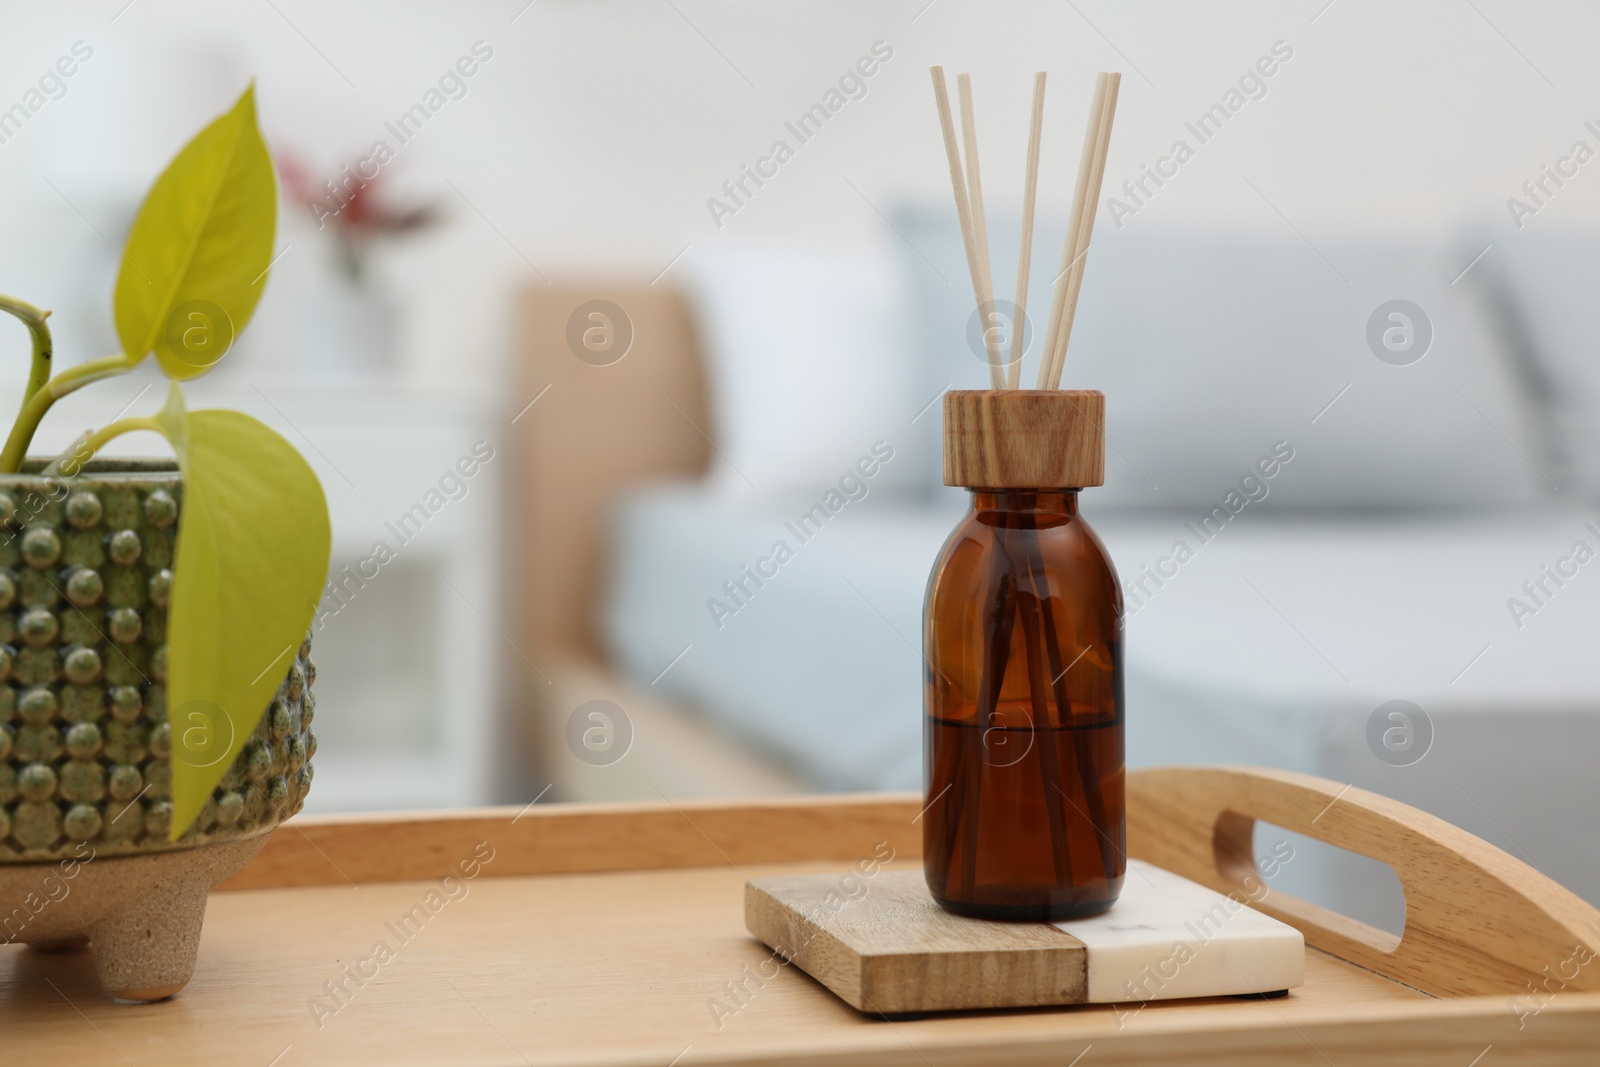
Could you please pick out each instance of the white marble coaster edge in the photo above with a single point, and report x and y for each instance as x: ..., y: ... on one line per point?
x: 1167, y: 938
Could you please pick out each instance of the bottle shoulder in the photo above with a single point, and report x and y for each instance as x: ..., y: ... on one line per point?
x: 1066, y: 551
x: 1059, y: 539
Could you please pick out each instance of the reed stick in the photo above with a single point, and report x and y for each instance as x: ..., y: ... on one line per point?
x: 980, y: 232
x: 998, y: 619
x: 1091, y: 198
x: 1030, y: 193
x: 1091, y: 173
x: 1058, y: 298
x: 958, y: 186
x: 1033, y: 610
x: 1088, y: 773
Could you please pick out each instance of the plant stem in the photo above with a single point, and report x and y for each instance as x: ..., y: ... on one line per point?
x: 82, y: 451
x: 33, y: 411
x: 43, y: 348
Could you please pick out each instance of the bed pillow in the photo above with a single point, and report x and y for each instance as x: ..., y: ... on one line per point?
x: 808, y: 365
x: 1217, y: 353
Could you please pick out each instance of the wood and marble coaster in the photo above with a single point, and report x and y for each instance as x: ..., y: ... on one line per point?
x: 884, y: 946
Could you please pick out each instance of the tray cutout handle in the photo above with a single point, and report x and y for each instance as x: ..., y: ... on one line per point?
x: 1478, y: 921
x: 1234, y: 848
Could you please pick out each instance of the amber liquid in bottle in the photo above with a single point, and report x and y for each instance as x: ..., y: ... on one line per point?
x: 1024, y: 719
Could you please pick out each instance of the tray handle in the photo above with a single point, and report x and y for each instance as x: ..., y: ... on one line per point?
x: 1477, y: 920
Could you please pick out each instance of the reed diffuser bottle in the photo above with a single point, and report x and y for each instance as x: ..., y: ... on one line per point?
x: 1022, y: 628
x: 1023, y: 690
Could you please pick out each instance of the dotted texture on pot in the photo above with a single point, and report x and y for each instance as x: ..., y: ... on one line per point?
x: 85, y: 746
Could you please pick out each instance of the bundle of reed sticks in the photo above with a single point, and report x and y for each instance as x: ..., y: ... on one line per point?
x: 1005, y: 372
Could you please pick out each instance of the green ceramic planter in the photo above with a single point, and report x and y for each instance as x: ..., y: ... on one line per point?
x: 85, y: 747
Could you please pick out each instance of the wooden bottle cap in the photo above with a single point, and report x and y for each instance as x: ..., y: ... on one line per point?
x: 1024, y: 438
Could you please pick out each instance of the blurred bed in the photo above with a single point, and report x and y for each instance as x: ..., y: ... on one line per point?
x: 1382, y: 561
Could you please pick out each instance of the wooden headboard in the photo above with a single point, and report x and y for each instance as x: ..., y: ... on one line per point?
x: 594, y: 431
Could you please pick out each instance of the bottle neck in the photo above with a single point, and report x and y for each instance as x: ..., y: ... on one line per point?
x: 1053, y: 502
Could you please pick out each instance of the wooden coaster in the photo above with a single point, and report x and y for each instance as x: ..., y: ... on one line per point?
x: 883, y: 946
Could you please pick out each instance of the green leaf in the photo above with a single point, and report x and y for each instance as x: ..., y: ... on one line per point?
x: 197, y: 256
x: 252, y: 557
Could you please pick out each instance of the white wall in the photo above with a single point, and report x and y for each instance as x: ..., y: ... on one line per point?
x: 597, y: 131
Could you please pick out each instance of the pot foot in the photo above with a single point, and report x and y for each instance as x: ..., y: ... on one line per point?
x: 147, y: 950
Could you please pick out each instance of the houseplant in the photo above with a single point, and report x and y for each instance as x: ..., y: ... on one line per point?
x: 155, y: 675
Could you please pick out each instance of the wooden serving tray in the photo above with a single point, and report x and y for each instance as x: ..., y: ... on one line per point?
x: 614, y: 935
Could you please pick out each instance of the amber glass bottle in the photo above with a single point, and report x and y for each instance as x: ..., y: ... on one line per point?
x: 1023, y: 686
